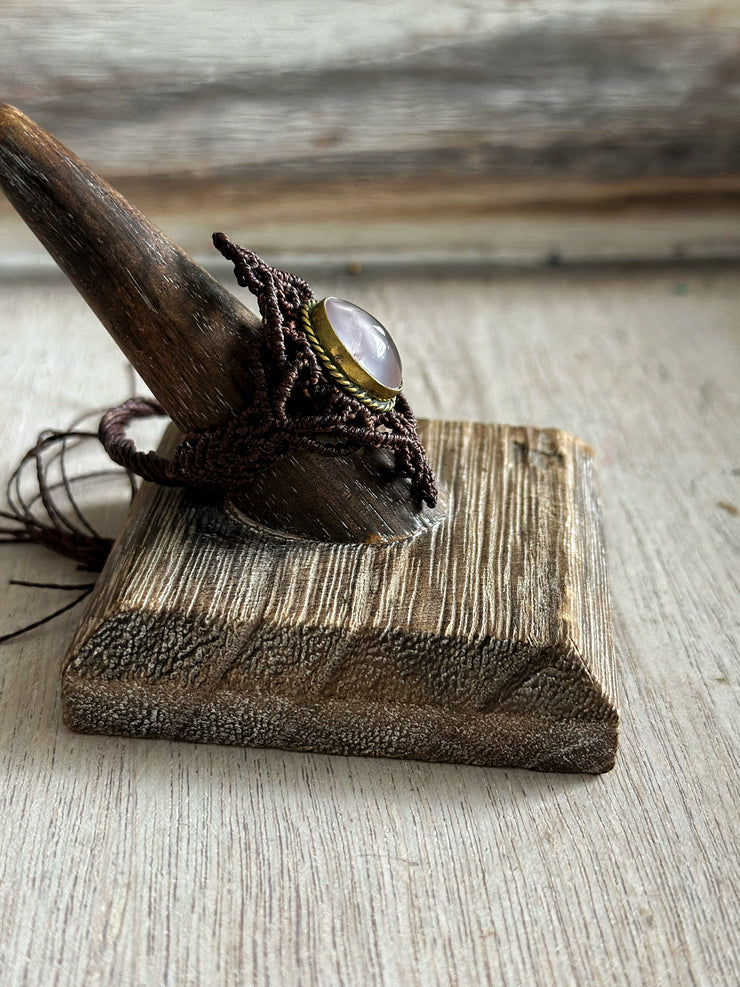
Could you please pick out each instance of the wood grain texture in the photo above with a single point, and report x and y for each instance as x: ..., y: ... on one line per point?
x: 350, y: 127
x: 485, y: 640
x: 152, y: 862
x: 187, y: 337
x: 180, y: 329
x: 577, y: 90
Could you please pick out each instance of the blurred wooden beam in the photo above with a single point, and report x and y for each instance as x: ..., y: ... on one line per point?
x: 587, y: 92
x: 366, y: 119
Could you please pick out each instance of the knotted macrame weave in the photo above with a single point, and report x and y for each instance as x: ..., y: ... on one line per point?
x: 294, y: 405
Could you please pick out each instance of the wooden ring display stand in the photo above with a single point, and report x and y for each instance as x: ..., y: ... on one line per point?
x: 324, y: 612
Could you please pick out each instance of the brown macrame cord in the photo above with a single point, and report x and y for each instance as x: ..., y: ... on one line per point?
x: 294, y: 406
x: 52, y: 516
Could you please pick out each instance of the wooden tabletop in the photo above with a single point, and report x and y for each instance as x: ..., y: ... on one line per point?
x: 434, y: 147
x: 147, y: 862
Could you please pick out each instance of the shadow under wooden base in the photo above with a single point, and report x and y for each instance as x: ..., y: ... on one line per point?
x: 485, y: 639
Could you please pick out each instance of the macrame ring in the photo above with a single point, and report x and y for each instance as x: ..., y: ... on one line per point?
x: 332, y: 354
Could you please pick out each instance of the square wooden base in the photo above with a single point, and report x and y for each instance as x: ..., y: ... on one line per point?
x: 485, y: 640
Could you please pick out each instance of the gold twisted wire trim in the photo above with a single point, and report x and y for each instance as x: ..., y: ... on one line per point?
x: 338, y: 375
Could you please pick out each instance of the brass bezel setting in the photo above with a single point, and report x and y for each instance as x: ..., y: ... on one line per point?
x: 339, y: 362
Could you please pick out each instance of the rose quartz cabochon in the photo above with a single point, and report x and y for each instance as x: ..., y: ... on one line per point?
x: 367, y: 340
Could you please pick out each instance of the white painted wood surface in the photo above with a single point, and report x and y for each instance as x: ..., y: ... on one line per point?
x: 139, y: 862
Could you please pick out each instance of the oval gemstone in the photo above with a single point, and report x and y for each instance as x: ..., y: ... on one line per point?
x: 367, y: 341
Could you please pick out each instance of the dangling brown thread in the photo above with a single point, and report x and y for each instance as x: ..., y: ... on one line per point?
x: 41, y: 520
x: 294, y: 405
x: 86, y: 591
x: 45, y: 520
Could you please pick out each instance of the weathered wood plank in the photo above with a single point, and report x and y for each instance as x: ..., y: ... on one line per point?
x: 486, y: 640
x: 132, y: 862
x: 392, y: 129
x: 580, y: 91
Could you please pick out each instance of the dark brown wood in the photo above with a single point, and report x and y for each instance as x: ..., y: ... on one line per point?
x: 184, y: 333
x: 486, y: 641
x: 179, y: 327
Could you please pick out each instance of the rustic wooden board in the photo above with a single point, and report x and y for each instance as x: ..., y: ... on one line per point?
x: 573, y: 90
x: 486, y: 640
x: 131, y: 862
x: 430, y: 130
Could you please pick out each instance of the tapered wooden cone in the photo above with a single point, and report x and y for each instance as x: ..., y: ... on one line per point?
x: 181, y: 329
x: 184, y: 333
x: 488, y: 642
